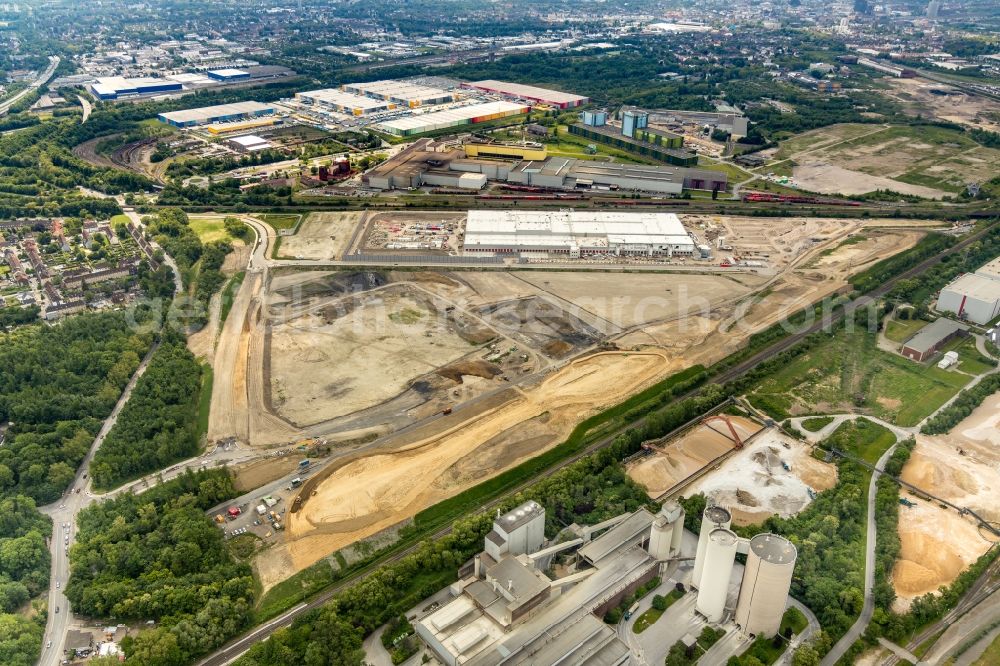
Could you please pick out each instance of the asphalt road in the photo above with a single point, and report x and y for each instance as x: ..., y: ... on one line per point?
x: 37, y: 83
x: 64, y: 512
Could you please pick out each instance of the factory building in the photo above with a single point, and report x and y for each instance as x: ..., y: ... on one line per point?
x: 576, y: 233
x: 594, y: 118
x: 403, y: 93
x: 505, y: 151
x: 974, y: 297
x: 116, y: 87
x: 339, y: 101
x: 439, y: 120
x: 530, y: 93
x: 568, y: 173
x: 637, y: 137
x: 222, y: 113
x: 508, y: 611
x: 767, y: 578
x: 228, y: 75
x: 735, y: 123
x: 928, y: 340
x: 242, y: 125
x: 249, y: 143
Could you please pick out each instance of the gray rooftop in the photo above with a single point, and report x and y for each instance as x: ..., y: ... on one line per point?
x: 773, y: 548
x: 619, y: 537
x: 933, y: 333
x: 522, y: 515
x: 518, y: 581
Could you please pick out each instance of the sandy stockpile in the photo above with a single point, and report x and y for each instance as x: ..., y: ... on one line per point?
x: 259, y: 472
x: 679, y: 458
x: 817, y: 175
x: 754, y: 484
x: 322, y: 368
x: 388, y: 486
x: 321, y: 236
x: 228, y: 414
x: 626, y: 300
x: 937, y: 544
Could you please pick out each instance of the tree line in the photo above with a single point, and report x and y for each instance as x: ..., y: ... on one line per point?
x: 158, y: 556
x: 159, y: 424
x: 24, y: 574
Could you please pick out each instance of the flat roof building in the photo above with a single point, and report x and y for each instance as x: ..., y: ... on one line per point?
x: 222, y: 113
x: 973, y: 296
x: 555, y: 98
x: 114, y: 87
x: 228, y: 74
x: 569, y: 173
x: 249, y: 143
x: 439, y: 120
x: 404, y: 93
x: 576, y: 232
x: 926, y: 342
x: 343, y: 102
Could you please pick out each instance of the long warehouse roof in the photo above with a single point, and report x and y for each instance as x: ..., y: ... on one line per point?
x: 206, y: 113
x: 417, y: 121
x: 593, y: 229
x: 341, y: 98
x: 398, y: 89
x: 528, y: 92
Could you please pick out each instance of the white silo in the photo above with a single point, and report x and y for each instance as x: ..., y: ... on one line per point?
x: 766, y: 581
x: 720, y: 553
x: 667, y: 529
x: 714, y: 517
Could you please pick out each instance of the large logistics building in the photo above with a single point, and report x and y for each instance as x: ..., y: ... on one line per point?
x: 438, y: 120
x: 229, y: 75
x: 569, y: 173
x: 974, y: 296
x: 576, y: 233
x: 404, y: 93
x: 114, y: 87
x: 531, y: 93
x: 332, y: 99
x: 222, y: 113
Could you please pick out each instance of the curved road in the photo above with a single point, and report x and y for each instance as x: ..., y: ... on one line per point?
x: 35, y: 85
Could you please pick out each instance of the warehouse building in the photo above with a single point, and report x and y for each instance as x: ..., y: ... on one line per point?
x: 530, y: 93
x: 506, y: 151
x: 222, y: 113
x: 249, y: 143
x: 116, y: 87
x: 439, y: 120
x: 403, y: 93
x: 568, y: 173
x: 928, y: 340
x: 228, y: 75
x: 339, y: 101
x: 974, y: 297
x: 646, y: 141
x: 576, y: 233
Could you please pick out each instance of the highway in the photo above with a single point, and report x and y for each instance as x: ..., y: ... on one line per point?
x: 35, y: 85
x: 238, y: 646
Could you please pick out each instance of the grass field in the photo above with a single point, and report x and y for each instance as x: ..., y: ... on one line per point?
x: 204, y: 399
x: 847, y: 372
x: 862, y: 438
x: 900, y: 330
x: 119, y: 219
x: 279, y: 221
x: 210, y: 228
x: 817, y: 423
x: 991, y: 656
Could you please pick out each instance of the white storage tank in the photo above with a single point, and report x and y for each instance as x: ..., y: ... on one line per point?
x: 666, y: 531
x: 714, y: 517
x: 720, y: 553
x: 766, y: 581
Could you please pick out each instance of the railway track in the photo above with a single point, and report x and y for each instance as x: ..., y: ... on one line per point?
x: 238, y: 646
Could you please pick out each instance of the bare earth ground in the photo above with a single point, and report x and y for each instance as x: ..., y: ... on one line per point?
x: 373, y: 490
x: 817, y: 175
x: 202, y: 343
x: 754, y: 485
x: 917, y: 99
x: 261, y: 472
x: 937, y: 544
x: 378, y: 490
x: 321, y: 236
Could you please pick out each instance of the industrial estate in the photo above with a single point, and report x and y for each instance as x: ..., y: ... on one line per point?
x: 401, y: 333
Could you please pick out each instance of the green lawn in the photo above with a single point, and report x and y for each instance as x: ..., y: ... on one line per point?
x: 992, y: 655
x: 816, y: 423
x: 204, y: 399
x: 119, y: 219
x: 900, y: 330
x: 848, y: 373
x: 210, y: 228
x: 647, y: 619
x: 861, y: 438
x: 969, y: 358
x: 279, y: 221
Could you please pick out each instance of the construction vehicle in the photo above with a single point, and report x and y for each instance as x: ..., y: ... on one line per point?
x: 785, y: 466
x: 296, y: 482
x: 303, y: 464
x: 907, y: 503
x: 446, y: 411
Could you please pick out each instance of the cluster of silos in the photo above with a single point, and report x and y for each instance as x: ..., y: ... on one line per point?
x: 720, y: 554
x: 667, y: 532
x: 766, y: 581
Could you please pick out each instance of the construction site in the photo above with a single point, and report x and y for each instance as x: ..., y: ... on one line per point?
x: 423, y: 383
x: 937, y: 543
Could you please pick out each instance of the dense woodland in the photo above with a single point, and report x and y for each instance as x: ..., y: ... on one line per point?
x: 157, y: 556
x: 24, y: 574
x: 58, y: 383
x: 159, y: 424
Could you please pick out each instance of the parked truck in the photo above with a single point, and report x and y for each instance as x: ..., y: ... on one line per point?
x: 303, y: 464
x: 296, y: 482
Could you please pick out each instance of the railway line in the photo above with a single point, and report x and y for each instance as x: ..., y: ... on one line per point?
x: 238, y: 646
